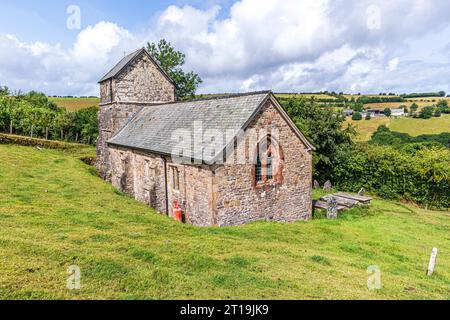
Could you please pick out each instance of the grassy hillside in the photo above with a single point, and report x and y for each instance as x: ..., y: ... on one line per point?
x: 55, y: 212
x: 74, y: 104
x: 417, y: 127
x: 414, y: 127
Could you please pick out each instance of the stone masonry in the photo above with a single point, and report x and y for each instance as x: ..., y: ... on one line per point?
x: 139, y: 84
x: 209, y: 195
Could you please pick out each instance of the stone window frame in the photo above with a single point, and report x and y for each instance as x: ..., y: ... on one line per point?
x: 175, y: 178
x: 275, y: 153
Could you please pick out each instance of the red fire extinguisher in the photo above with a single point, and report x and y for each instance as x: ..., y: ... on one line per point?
x: 177, y: 212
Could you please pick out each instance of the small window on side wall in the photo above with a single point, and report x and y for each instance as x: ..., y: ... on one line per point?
x: 175, y: 178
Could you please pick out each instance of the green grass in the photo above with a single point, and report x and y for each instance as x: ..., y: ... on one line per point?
x: 55, y: 213
x: 74, y: 104
x: 414, y: 127
x: 417, y: 127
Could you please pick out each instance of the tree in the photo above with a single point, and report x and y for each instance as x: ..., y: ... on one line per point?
x: 413, y: 108
x: 442, y: 105
x: 171, y: 62
x: 4, y: 91
x: 357, y: 116
x: 426, y: 113
x: 405, y: 109
x: 359, y: 107
x: 324, y: 127
x: 387, y: 112
x: 442, y: 93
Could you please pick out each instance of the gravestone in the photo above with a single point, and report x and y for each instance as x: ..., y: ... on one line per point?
x: 432, y: 262
x: 332, y: 211
x: 316, y: 184
x: 362, y: 192
x: 327, y: 186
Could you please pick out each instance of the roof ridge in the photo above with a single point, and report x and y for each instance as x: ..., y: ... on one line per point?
x: 127, y: 59
x: 224, y: 97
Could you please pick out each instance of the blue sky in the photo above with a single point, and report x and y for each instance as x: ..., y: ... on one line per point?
x: 367, y: 46
x: 31, y: 20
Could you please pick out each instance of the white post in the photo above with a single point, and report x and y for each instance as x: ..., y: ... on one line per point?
x: 432, y: 262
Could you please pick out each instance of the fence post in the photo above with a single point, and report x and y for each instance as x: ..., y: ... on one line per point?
x: 432, y: 263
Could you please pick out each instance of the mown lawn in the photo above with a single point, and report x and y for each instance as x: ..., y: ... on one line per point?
x: 55, y: 213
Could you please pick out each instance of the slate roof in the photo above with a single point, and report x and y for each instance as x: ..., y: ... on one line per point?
x: 129, y: 59
x: 152, y: 127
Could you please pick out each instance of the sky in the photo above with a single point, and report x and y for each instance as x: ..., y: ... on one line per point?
x: 64, y: 47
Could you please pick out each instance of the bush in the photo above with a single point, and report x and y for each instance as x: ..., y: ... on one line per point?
x: 384, y: 136
x: 426, y: 113
x: 422, y: 177
x: 357, y: 116
x: 29, y: 142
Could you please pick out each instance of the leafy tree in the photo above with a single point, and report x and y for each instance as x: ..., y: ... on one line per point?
x: 414, y: 107
x: 357, y: 106
x: 357, y: 116
x: 171, y: 62
x: 443, y: 106
x: 426, y: 113
x: 85, y: 127
x: 324, y: 128
x: 405, y: 109
x: 387, y: 112
x: 4, y: 91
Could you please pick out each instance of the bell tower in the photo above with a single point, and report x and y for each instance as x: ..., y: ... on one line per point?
x: 137, y: 81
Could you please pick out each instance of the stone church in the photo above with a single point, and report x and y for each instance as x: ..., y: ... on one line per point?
x: 225, y: 161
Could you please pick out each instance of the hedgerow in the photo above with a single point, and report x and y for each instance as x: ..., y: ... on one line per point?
x: 420, y: 174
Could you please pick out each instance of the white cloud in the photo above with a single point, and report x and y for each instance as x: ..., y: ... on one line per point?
x: 284, y: 45
x: 50, y: 68
x: 393, y: 64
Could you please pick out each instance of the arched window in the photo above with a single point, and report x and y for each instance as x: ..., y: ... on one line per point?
x: 258, y: 170
x: 269, y: 163
x: 269, y: 167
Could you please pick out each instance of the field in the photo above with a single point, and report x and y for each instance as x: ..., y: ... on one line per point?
x: 414, y: 127
x: 366, y: 128
x: 74, y: 104
x: 305, y: 95
x: 55, y: 213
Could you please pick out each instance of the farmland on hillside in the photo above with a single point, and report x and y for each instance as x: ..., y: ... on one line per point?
x: 411, y: 126
x: 74, y: 104
x: 396, y: 105
x: 55, y: 213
